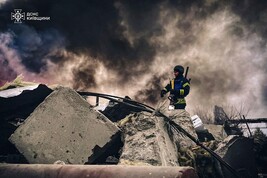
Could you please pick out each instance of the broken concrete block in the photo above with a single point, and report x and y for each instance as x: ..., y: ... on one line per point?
x: 146, y: 142
x: 182, y: 143
x: 63, y: 127
x: 237, y: 151
x: 182, y: 118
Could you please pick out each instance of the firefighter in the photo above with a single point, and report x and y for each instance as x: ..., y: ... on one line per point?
x: 178, y: 87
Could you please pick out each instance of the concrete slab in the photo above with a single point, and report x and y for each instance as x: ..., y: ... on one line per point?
x: 146, y: 142
x: 63, y: 127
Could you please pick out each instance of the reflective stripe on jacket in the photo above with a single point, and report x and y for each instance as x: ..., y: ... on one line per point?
x: 179, y: 88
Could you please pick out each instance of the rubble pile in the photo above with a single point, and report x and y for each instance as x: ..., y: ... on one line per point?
x: 60, y: 126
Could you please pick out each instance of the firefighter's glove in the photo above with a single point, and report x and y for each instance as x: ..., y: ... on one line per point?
x: 162, y: 93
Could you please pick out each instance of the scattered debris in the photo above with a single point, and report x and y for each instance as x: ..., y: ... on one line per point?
x: 64, y: 129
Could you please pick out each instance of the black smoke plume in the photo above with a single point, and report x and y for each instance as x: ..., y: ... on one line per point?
x: 137, y: 43
x: 89, y: 27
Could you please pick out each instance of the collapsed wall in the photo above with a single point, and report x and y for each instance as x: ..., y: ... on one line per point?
x: 63, y: 127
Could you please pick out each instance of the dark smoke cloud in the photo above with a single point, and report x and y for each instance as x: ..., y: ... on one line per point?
x: 225, y: 70
x: 139, y: 42
x: 85, y: 71
x: 90, y: 27
x: 141, y: 17
x: 6, y: 72
x: 264, y: 91
x: 253, y: 13
x: 151, y: 94
x: 36, y: 47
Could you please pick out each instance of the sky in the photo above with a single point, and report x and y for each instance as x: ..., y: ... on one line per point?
x: 130, y: 48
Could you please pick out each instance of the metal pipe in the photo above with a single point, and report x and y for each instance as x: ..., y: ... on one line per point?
x: 256, y: 120
x: 97, y: 101
x: 93, y: 171
x: 247, y: 126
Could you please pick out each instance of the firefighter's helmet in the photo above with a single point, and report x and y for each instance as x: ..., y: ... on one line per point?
x: 179, y: 68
